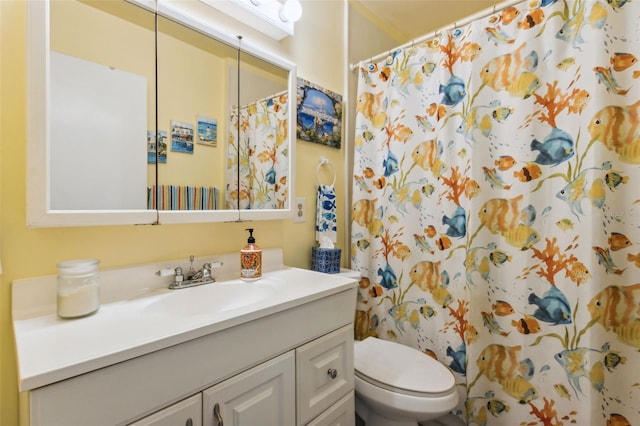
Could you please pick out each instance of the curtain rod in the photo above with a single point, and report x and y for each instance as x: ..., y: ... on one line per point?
x: 275, y: 95
x: 479, y: 15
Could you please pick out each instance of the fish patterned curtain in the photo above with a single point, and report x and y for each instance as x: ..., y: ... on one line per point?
x: 261, y: 156
x: 496, y: 213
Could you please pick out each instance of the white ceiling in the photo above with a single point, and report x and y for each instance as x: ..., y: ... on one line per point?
x: 411, y: 19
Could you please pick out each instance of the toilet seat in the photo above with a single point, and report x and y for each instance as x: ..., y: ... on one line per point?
x: 401, y: 369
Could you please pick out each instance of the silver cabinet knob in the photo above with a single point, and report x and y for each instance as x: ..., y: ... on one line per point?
x: 333, y: 373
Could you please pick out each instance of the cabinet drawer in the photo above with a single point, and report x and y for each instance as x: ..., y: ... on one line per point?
x: 184, y: 413
x: 342, y: 413
x: 324, y: 372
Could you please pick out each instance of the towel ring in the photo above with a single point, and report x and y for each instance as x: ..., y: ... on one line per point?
x: 324, y: 161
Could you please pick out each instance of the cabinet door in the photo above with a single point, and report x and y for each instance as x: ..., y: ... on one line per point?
x: 184, y: 413
x: 324, y: 372
x: 263, y: 395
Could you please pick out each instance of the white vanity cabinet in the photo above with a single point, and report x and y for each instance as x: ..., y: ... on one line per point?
x: 285, y: 360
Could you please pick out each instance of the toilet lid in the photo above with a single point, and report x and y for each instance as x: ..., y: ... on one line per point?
x: 401, y: 367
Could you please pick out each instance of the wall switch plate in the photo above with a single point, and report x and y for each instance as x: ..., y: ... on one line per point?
x: 300, y: 210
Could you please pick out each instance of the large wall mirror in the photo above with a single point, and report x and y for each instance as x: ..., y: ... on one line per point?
x: 141, y: 113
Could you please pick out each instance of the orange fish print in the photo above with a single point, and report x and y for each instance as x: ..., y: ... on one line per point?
x: 436, y: 110
x: 430, y: 231
x: 622, y: 61
x: 363, y: 211
x: 427, y: 156
x: 380, y: 182
x: 501, y: 214
x: 502, y: 308
x: 501, y: 364
x: 471, y: 188
x: 635, y: 258
x: 636, y: 74
x: 527, y: 325
x: 505, y: 162
x: 619, y: 241
x: 617, y: 420
x: 426, y: 275
x: 370, y: 106
x: 443, y: 243
x: 470, y: 51
x: 578, y: 273
x: 616, y: 309
x: 618, y: 128
x: 509, y: 14
x: 368, y: 172
x: 529, y: 172
x: 512, y: 72
x: 532, y: 19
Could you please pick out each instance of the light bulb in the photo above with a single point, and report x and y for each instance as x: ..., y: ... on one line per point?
x: 291, y: 10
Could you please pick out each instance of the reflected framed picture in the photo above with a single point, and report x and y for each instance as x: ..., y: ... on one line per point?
x: 182, y: 137
x: 161, y: 149
x: 318, y: 115
x: 207, y: 131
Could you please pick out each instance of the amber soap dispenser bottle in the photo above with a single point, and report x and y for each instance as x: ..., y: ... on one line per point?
x: 251, y: 259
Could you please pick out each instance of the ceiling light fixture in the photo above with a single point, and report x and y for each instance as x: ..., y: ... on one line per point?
x: 272, y: 17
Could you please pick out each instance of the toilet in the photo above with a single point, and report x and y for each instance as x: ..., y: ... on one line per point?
x: 397, y: 385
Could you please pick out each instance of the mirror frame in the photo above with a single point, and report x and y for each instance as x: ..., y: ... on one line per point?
x: 39, y: 213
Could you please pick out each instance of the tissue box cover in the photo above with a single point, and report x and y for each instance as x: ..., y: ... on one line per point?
x: 325, y: 260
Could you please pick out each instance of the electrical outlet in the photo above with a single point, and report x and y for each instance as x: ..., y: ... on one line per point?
x: 300, y: 211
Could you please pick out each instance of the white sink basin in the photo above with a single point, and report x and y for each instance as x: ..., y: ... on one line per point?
x: 209, y: 298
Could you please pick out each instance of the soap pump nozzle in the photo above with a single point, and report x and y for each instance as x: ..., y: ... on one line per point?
x: 250, y: 240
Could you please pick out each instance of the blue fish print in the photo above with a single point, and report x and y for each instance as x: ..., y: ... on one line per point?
x: 556, y: 148
x: 270, y: 177
x: 545, y: 3
x: 459, y: 362
x: 553, y: 307
x: 329, y: 205
x: 457, y: 223
x: 390, y: 164
x: 389, y: 279
x: 453, y: 92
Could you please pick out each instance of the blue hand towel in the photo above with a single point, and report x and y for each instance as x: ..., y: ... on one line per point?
x: 326, y: 220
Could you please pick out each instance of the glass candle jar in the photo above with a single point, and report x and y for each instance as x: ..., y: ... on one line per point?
x: 78, y: 288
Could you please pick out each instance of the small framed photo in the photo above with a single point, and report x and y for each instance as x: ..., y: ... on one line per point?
x: 207, y: 131
x: 161, y: 142
x: 182, y: 137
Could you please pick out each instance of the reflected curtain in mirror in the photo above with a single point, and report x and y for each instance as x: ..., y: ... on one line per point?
x: 258, y: 148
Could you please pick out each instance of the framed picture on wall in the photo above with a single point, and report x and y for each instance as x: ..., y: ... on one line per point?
x: 319, y: 115
x: 207, y: 131
x: 182, y: 137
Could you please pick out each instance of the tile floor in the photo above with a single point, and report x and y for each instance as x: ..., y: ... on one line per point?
x: 448, y: 420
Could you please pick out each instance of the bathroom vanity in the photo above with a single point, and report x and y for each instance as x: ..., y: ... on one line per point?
x: 278, y: 351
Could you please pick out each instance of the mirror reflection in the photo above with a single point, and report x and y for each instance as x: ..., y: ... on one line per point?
x: 193, y: 73
x: 152, y: 116
x: 258, y: 151
x: 102, y: 94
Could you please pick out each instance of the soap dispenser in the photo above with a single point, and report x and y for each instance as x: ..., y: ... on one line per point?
x: 251, y: 259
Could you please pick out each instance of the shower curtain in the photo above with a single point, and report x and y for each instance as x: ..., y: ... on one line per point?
x: 496, y: 210
x: 261, y: 156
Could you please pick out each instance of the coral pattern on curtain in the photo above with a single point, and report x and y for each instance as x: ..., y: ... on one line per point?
x: 496, y: 210
x: 261, y: 156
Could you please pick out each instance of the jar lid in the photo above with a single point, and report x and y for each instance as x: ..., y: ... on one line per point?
x: 78, y: 266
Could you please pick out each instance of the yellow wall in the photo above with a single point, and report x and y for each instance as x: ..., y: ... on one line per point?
x: 316, y: 48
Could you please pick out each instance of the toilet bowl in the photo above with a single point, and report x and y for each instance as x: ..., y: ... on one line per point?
x: 396, y: 385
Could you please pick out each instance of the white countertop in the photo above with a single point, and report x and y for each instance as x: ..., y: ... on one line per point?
x: 140, y: 315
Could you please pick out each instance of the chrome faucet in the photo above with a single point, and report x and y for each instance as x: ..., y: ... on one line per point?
x: 193, y: 277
